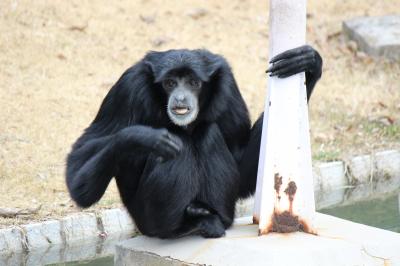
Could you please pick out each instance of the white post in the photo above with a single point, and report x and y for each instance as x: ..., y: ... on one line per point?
x: 284, y: 199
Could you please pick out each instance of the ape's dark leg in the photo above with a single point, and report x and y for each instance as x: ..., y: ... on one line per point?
x: 211, y: 227
x: 297, y: 60
x: 208, y: 226
x: 213, y: 209
x: 203, y: 221
x: 206, y: 223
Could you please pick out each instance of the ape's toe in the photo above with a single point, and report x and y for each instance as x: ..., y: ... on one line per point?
x: 195, y: 210
x: 212, y: 227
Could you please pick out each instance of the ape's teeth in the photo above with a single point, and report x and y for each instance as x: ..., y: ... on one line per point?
x: 181, y: 111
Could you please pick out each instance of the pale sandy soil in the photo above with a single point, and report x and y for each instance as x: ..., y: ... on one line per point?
x: 59, y: 58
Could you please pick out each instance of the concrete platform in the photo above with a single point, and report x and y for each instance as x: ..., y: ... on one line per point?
x: 339, y: 242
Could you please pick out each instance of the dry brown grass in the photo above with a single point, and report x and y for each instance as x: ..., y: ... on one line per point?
x: 59, y: 58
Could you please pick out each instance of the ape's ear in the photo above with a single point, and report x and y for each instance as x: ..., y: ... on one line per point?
x: 212, y: 63
x: 213, y: 68
x: 151, y: 60
x: 153, y: 64
x: 150, y: 66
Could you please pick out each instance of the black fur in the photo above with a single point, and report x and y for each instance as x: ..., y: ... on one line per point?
x: 194, y: 187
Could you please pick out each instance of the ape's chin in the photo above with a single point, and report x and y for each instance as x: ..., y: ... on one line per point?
x: 184, y: 119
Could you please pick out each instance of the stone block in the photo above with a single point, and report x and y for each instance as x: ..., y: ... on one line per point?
x: 361, y: 168
x: 79, y: 227
x: 11, y: 240
x: 376, y: 36
x: 116, y: 222
x: 43, y: 234
x: 330, y: 183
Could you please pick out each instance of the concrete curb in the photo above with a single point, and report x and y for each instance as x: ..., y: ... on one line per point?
x: 69, y: 231
x: 361, y: 177
x: 346, y: 182
x: 334, y: 183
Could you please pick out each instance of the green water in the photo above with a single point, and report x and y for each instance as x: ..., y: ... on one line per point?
x: 381, y: 213
x: 106, y: 261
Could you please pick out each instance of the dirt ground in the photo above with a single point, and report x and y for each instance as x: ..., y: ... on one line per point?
x: 58, y: 59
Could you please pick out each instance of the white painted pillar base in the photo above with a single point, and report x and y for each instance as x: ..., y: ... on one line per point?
x: 284, y: 200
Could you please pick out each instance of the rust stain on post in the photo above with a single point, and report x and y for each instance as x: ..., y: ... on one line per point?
x: 256, y: 220
x: 290, y: 191
x: 286, y: 221
x: 277, y: 185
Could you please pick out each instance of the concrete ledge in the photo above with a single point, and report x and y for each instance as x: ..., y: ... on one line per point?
x: 372, y: 175
x: 339, y: 242
x: 79, y: 227
x: 70, y: 231
x: 59, y: 254
x: 42, y: 234
x: 329, y: 183
x: 11, y: 239
x: 116, y: 221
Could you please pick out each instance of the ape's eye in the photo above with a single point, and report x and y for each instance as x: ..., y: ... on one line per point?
x: 169, y: 83
x: 194, y: 83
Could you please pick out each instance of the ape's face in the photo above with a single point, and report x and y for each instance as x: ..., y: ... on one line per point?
x: 183, y: 97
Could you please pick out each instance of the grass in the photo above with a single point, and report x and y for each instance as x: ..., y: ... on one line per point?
x: 392, y: 131
x: 59, y: 59
x: 326, y: 156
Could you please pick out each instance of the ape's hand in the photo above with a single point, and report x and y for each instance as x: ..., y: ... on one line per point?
x: 166, y: 144
x: 297, y: 60
x: 159, y: 141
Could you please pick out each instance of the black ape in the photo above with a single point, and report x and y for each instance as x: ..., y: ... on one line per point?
x: 175, y: 132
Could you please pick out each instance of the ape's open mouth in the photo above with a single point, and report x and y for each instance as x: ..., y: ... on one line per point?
x: 180, y: 110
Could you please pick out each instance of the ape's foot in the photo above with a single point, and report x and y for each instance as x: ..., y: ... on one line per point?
x: 197, y: 210
x: 211, y: 227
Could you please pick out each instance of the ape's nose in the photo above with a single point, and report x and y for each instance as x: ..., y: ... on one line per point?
x: 180, y: 97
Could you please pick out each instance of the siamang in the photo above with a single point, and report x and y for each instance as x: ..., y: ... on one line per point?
x: 175, y: 133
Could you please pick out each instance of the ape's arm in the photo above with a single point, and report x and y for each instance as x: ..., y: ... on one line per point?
x: 89, y: 170
x: 297, y: 60
x: 93, y: 162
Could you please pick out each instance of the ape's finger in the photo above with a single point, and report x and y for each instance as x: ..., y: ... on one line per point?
x: 160, y: 159
x: 288, y: 62
x: 288, y: 74
x: 283, y: 73
x: 172, y: 148
x: 176, y: 140
x: 173, y: 145
x: 166, y: 150
x: 291, y: 53
x: 291, y: 69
